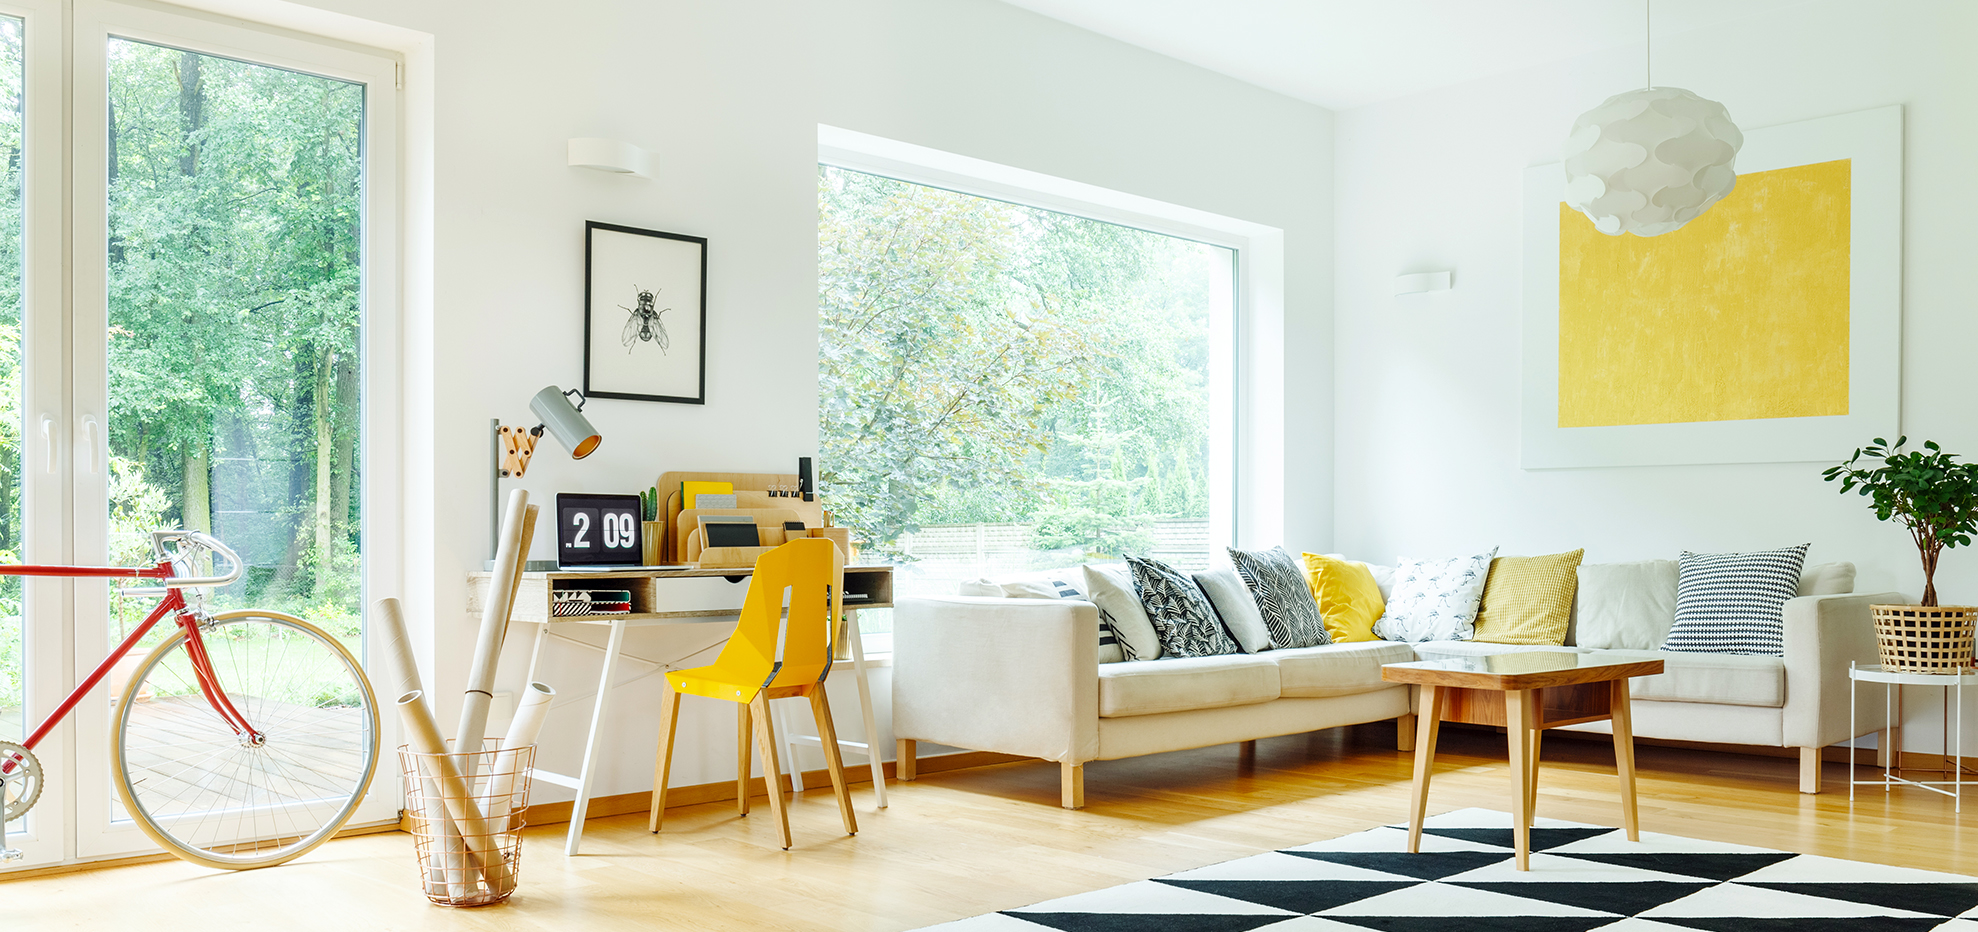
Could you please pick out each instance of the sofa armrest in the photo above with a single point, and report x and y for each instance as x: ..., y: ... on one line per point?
x: 1824, y: 633
x: 1016, y: 676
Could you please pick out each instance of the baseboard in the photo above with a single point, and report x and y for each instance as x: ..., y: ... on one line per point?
x: 1836, y: 754
x: 70, y: 867
x: 697, y: 794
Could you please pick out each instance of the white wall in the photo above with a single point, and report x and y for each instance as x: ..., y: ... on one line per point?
x: 1427, y: 387
x: 728, y: 97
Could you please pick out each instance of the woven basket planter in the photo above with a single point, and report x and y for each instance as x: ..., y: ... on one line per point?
x: 1925, y: 639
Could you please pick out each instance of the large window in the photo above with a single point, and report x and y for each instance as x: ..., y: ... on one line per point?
x: 1005, y: 388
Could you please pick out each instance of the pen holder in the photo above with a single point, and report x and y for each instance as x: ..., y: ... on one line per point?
x: 655, y: 536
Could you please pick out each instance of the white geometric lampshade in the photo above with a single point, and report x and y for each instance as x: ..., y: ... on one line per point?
x: 1650, y: 160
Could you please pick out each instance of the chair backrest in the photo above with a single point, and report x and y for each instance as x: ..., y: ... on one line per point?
x: 811, y: 571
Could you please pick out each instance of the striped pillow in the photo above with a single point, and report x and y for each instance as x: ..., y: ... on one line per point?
x: 1283, y: 597
x: 1735, y: 603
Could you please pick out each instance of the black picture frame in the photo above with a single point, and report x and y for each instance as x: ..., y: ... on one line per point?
x: 649, y: 268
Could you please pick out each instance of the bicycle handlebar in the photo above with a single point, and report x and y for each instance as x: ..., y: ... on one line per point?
x: 199, y: 541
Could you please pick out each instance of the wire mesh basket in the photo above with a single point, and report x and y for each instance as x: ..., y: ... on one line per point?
x: 1925, y: 638
x: 467, y: 821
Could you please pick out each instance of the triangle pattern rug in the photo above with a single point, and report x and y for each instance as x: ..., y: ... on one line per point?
x: 1583, y: 878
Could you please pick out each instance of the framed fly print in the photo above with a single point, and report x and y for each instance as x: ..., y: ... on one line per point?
x: 645, y: 314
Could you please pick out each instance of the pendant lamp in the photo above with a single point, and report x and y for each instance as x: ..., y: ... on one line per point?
x: 1650, y: 160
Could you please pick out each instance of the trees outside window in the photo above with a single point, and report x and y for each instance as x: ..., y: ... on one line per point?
x: 1003, y: 387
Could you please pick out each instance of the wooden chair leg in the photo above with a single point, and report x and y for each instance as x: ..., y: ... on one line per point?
x: 662, y: 765
x: 827, y: 734
x: 772, y: 778
x: 744, y: 733
x: 1071, y: 785
x: 905, y: 764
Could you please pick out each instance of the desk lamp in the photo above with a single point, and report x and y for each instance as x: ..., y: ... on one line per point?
x: 513, y: 446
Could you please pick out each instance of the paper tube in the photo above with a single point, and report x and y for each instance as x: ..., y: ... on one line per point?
x: 399, y: 662
x: 509, y: 557
x: 423, y: 734
x: 529, y: 716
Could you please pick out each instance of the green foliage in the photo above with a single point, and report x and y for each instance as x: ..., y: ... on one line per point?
x: 986, y: 362
x: 1927, y: 491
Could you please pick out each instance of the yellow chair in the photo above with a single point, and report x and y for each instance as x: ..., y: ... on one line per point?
x: 749, y: 672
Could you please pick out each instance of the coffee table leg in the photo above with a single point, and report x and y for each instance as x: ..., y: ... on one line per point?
x: 1518, y: 735
x: 1531, y: 771
x: 1428, y: 723
x: 1624, y: 756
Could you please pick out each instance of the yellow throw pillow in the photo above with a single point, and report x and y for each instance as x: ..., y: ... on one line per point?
x: 1348, y: 599
x: 1528, y: 600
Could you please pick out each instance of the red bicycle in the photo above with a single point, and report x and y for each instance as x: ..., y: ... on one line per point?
x: 243, y: 739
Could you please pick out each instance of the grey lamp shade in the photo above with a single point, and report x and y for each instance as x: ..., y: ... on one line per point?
x: 571, y: 427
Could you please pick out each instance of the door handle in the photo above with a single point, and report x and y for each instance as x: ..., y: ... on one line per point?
x: 89, y: 440
x: 48, y: 441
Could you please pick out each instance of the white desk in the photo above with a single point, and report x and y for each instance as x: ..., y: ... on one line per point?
x: 675, y: 597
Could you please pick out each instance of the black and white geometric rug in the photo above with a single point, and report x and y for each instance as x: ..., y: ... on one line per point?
x: 1583, y: 877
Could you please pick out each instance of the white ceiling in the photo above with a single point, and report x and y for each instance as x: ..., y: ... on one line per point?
x: 1346, y: 53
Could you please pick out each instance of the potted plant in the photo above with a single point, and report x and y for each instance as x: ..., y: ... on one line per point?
x: 1936, y: 498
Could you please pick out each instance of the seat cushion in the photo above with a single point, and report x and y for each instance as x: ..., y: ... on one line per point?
x: 1337, y: 669
x: 1150, y: 687
x: 1719, y: 679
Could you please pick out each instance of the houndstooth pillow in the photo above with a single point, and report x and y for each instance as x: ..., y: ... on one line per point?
x: 1735, y: 603
x: 1181, y: 613
x: 1283, y: 596
x: 1435, y: 600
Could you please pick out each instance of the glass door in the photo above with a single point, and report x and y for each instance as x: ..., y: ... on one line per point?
x: 224, y: 270
x: 34, y: 613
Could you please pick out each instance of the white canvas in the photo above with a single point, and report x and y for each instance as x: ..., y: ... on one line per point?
x: 1872, y: 139
x: 655, y: 357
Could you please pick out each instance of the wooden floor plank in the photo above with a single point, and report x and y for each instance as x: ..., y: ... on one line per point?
x: 959, y: 843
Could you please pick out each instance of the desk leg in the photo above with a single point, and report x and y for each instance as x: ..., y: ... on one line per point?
x: 1622, y: 712
x: 1428, y: 723
x: 865, y: 709
x: 1518, y: 735
x: 583, y: 801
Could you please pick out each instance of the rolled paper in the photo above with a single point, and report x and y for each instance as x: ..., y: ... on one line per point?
x: 423, y: 734
x: 400, y: 664
x: 529, y: 716
x: 509, y: 555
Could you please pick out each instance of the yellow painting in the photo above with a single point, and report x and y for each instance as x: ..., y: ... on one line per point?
x: 1741, y: 314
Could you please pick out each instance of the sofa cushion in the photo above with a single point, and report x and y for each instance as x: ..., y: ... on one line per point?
x: 1528, y: 600
x: 1150, y: 687
x: 1110, y: 586
x: 1237, y: 609
x: 1720, y: 679
x: 1435, y: 600
x: 1626, y: 606
x: 1734, y: 603
x: 1181, y: 613
x: 1349, y: 599
x: 1827, y: 579
x: 1283, y: 597
x: 1050, y: 584
x: 1337, y: 669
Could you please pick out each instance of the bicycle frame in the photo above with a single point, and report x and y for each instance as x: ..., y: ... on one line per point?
x: 173, y: 604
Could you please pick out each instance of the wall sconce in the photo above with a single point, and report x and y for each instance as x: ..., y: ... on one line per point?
x: 1421, y: 282
x: 608, y: 155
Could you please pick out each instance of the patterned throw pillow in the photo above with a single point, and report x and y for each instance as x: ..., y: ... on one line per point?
x: 1283, y: 596
x: 1181, y: 613
x: 1435, y: 600
x: 1735, y: 603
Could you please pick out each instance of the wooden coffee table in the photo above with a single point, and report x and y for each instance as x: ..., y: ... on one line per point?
x: 1527, y: 692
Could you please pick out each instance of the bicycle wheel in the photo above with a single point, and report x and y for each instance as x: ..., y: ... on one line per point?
x: 215, y: 797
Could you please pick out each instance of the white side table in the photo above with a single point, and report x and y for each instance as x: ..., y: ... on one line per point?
x: 1892, y: 684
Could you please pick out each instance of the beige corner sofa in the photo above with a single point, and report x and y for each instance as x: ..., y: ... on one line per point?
x: 1021, y: 676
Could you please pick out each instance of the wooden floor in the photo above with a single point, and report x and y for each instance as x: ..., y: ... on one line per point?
x: 965, y: 842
